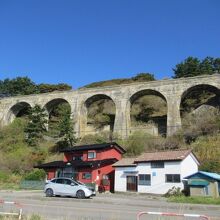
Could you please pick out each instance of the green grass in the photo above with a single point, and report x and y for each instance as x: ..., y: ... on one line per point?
x: 195, y: 200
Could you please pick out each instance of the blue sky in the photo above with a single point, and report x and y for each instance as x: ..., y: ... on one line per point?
x: 83, y: 41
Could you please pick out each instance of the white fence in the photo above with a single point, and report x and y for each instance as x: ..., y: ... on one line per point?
x: 173, y: 215
x: 17, y: 205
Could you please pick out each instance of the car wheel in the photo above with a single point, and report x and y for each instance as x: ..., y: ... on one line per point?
x: 80, y: 194
x: 49, y: 192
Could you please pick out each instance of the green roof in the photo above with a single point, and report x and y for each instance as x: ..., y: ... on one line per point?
x: 198, y: 183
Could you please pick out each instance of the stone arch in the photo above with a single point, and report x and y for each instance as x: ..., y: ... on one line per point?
x: 53, y: 115
x: 97, y: 102
x: 17, y: 110
x: 212, y: 96
x: 54, y: 102
x: 156, y: 123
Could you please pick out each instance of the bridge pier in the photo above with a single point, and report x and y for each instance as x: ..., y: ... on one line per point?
x: 122, y: 119
x: 173, y: 114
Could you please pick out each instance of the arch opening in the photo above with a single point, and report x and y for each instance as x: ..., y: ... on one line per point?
x: 197, y: 96
x: 148, y: 112
x: 56, y: 109
x: 100, y: 114
x: 199, y: 110
x: 19, y: 110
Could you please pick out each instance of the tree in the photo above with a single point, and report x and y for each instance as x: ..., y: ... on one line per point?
x: 192, y: 66
x: 36, y: 125
x: 18, y: 86
x: 25, y: 86
x: 188, y: 68
x: 65, y: 126
x: 142, y: 77
x: 43, y: 88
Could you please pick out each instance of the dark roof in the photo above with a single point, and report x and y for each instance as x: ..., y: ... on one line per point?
x: 76, y: 163
x: 94, y: 147
x: 54, y: 164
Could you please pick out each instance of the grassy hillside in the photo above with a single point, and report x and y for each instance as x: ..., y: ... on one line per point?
x: 141, y: 77
x: 16, y: 157
x: 200, y: 132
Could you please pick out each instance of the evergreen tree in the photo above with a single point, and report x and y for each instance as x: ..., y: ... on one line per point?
x: 65, y: 126
x: 36, y: 125
x: 188, y: 68
x: 17, y: 86
x: 194, y: 67
x: 25, y: 86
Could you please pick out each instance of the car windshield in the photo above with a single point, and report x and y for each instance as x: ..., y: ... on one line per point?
x: 80, y: 183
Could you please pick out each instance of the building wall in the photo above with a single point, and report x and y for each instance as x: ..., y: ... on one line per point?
x: 97, y: 176
x: 109, y: 153
x: 189, y: 166
x: 212, y: 190
x: 197, y: 191
x: 120, y: 178
x: 100, y: 155
x: 158, y: 181
x: 51, y: 174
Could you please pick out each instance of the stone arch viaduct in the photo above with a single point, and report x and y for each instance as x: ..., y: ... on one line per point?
x: 172, y: 90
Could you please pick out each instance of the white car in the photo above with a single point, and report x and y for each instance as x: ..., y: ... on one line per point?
x: 66, y: 187
x: 90, y: 187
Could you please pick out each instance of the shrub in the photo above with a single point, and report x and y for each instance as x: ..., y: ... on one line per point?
x: 210, y: 166
x: 136, y: 143
x: 174, y: 191
x: 36, y: 174
x: 3, y: 176
x: 102, y: 137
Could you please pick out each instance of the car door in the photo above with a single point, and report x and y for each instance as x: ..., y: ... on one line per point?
x: 70, y: 187
x: 59, y: 187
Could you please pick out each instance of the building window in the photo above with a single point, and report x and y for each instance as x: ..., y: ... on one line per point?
x: 87, y: 176
x: 78, y: 157
x: 173, y: 178
x: 91, y: 155
x: 157, y: 164
x: 144, y: 179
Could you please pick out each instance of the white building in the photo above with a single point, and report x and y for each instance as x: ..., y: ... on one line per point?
x: 154, y: 172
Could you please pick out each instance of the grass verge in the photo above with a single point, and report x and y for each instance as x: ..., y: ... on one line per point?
x: 195, y: 200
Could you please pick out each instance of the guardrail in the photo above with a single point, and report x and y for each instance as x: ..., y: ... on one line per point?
x: 16, y: 204
x: 204, y: 217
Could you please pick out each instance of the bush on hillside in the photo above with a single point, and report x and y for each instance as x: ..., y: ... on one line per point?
x: 174, y: 142
x: 200, y: 123
x: 102, y: 137
x: 3, y: 176
x: 137, y: 143
x: 12, y: 136
x: 35, y: 174
x: 207, y: 149
x: 210, y: 166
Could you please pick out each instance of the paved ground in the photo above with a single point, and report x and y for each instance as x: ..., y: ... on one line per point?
x: 103, y: 206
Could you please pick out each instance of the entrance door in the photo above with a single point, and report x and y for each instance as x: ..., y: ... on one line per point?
x: 132, y: 183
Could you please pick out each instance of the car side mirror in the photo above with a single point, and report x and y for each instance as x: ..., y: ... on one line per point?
x: 72, y: 184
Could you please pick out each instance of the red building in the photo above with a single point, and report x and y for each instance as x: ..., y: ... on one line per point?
x: 87, y: 163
